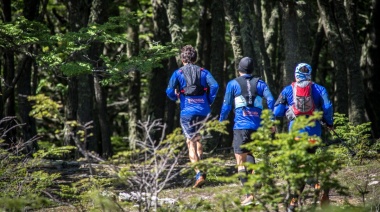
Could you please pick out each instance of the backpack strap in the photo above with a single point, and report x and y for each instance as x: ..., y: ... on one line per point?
x: 192, y: 74
x: 248, y: 86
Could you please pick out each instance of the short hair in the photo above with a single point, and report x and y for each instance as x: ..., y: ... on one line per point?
x: 188, y: 54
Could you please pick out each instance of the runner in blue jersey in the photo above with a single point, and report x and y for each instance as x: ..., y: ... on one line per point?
x: 196, y: 89
x: 320, y: 99
x: 284, y: 106
x: 245, y: 94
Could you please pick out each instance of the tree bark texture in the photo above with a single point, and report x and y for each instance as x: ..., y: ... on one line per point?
x: 247, y: 32
x: 174, y: 14
x: 231, y: 8
x: 217, y: 52
x: 158, y: 77
x: 304, y: 30
x: 133, y: 81
x: 290, y: 36
x: 337, y: 50
x: 317, y: 47
x: 82, y: 100
x: 370, y: 62
x: 99, y: 15
x: 204, y: 35
x: 271, y: 26
x: 259, y: 34
x: 352, y: 58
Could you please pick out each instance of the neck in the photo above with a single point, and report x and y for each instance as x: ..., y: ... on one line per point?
x: 241, y: 74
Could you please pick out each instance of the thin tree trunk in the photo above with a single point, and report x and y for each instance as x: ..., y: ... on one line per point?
x: 79, y: 99
x: 370, y: 63
x: 24, y: 87
x: 174, y: 13
x: 9, y: 77
x: 247, y: 32
x: 99, y: 15
x: 352, y: 58
x: 231, y: 8
x: 271, y: 27
x: 203, y: 44
x: 133, y: 81
x: 217, y: 51
x: 318, y: 44
x: 335, y: 44
x: 267, y: 72
x: 304, y: 25
x: 158, y: 77
x: 290, y: 36
x: 24, y: 90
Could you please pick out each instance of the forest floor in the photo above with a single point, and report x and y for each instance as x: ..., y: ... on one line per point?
x: 216, y: 196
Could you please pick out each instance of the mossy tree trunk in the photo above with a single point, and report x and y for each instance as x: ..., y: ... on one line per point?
x: 291, y: 42
x: 267, y: 72
x: 99, y: 15
x: 231, y: 8
x: 218, y: 52
x: 133, y: 82
x: 345, y: 50
x: 340, y: 75
x: 158, y: 77
x: 203, y: 44
x: 174, y: 14
x: 370, y: 62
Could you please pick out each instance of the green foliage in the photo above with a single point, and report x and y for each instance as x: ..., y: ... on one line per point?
x: 22, y: 181
x: 357, y: 138
x: 20, y: 33
x: 67, y: 52
x: 44, y: 107
x: 286, y: 163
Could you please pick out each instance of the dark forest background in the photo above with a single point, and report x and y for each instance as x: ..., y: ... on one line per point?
x: 92, y: 69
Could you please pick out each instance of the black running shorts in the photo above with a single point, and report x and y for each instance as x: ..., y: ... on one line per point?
x: 241, y: 137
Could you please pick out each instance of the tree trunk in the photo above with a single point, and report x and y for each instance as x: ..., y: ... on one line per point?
x: 99, y: 15
x: 349, y: 53
x: 231, y: 8
x: 24, y: 87
x: 247, y: 32
x: 290, y: 36
x: 218, y: 51
x: 370, y: 64
x: 267, y: 72
x: 79, y: 99
x: 174, y: 14
x: 9, y: 78
x: 158, y: 77
x: 24, y: 90
x: 204, y: 35
x: 317, y: 47
x: 133, y: 81
x: 352, y: 58
x: 271, y: 27
x: 336, y: 46
x: 304, y: 26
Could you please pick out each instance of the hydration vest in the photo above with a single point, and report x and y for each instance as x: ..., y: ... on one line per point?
x: 303, y: 103
x: 248, y: 87
x: 192, y: 75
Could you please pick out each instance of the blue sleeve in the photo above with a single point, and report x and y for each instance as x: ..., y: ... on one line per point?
x: 213, y: 87
x: 328, y: 113
x: 227, y: 102
x: 263, y: 90
x: 170, y: 90
x: 281, y: 104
